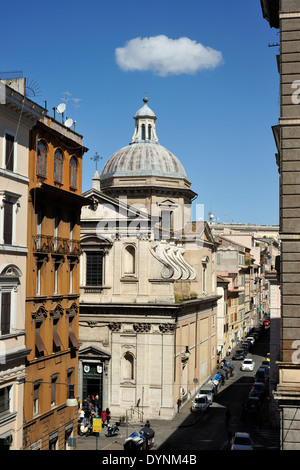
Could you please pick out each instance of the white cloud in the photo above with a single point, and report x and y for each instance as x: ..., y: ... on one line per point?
x: 165, y: 56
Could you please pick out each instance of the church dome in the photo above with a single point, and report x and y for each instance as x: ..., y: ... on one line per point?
x: 144, y: 156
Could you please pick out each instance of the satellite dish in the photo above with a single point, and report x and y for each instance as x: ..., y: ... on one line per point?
x: 61, y: 108
x: 69, y: 122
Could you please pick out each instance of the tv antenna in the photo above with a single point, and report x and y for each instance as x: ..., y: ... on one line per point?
x: 96, y: 159
x: 66, y: 96
x: 76, y: 106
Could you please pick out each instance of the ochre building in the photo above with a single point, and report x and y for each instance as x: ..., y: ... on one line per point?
x: 52, y: 294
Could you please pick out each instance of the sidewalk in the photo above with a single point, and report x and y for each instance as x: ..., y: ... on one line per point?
x: 162, y: 428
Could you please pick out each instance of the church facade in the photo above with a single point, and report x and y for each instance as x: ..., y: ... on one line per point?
x: 148, y: 302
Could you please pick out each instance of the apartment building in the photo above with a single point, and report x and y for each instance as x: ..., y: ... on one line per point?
x: 17, y: 117
x: 284, y: 16
x: 52, y: 292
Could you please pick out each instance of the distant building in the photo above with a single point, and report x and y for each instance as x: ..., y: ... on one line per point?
x: 148, y: 300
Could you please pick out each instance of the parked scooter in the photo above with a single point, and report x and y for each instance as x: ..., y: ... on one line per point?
x: 112, y: 430
x: 85, y: 427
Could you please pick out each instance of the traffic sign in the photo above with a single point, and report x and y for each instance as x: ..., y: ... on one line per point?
x: 97, y: 422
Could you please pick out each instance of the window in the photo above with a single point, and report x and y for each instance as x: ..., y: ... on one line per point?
x: 53, y: 390
x: 57, y: 344
x: 5, y: 399
x: 143, y: 132
x: 58, y: 166
x: 5, y: 312
x: 73, y: 343
x: 71, y: 270
x: 149, y: 131
x: 36, y: 392
x: 41, y: 162
x: 10, y: 276
x: 73, y: 173
x: 204, y: 278
x: 39, y: 345
x: 9, y: 205
x: 8, y: 223
x: 9, y: 152
x: 94, y: 268
x: 39, y: 265
x: 56, y: 272
x: 166, y: 223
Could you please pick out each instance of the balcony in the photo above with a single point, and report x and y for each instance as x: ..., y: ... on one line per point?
x: 43, y: 244
x: 56, y: 245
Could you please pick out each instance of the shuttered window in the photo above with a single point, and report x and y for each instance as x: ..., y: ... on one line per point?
x: 5, y: 312
x: 58, y: 167
x: 73, y: 173
x: 9, y: 152
x: 94, y: 268
x: 41, y: 159
x: 8, y: 222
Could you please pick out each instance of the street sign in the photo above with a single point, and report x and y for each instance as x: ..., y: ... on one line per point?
x: 97, y: 425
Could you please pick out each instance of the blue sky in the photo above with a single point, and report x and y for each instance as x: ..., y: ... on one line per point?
x: 217, y: 120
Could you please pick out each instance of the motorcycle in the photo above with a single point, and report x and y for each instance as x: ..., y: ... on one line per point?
x: 85, y: 427
x: 112, y: 430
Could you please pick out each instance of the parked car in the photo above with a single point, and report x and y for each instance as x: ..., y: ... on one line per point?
x: 239, y: 355
x: 265, y: 363
x: 252, y: 405
x: 241, y: 441
x: 200, y: 403
x: 266, y: 368
x: 261, y: 375
x: 208, y: 390
x: 248, y: 365
x: 251, y: 339
x: 258, y: 390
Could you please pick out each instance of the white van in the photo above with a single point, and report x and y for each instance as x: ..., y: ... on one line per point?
x: 200, y: 403
x: 208, y: 390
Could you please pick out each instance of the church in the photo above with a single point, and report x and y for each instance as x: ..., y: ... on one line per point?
x: 148, y: 290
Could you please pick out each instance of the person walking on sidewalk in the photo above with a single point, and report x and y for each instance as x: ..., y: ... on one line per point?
x: 103, y: 417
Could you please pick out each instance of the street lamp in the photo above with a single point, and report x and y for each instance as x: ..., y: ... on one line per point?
x: 71, y: 401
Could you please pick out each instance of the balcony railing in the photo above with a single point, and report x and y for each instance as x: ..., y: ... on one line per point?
x: 56, y: 245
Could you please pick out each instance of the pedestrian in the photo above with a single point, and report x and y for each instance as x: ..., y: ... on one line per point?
x: 103, y: 417
x: 147, y: 425
x: 96, y: 403
x: 179, y: 401
x: 107, y: 415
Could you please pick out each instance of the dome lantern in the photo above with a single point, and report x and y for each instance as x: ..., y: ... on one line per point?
x: 144, y: 125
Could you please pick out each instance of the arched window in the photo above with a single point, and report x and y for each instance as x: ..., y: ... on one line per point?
x: 58, y: 166
x: 41, y: 159
x: 143, y: 132
x: 73, y: 173
x: 149, y: 132
x: 129, y: 260
x: 128, y: 366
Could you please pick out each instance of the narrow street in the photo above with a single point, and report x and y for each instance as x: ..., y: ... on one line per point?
x: 211, y: 431
x: 191, y: 432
